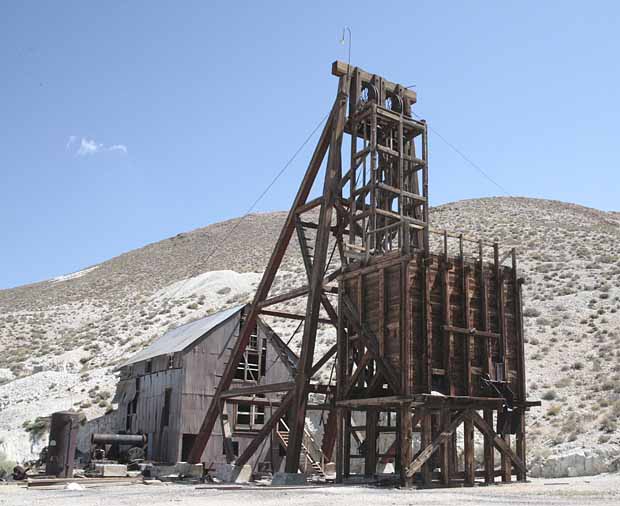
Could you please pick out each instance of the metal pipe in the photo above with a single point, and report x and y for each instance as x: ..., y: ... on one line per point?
x: 121, y: 439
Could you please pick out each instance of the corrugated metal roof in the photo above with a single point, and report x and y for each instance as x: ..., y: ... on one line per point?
x: 181, y: 337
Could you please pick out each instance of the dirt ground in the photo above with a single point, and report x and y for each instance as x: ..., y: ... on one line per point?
x: 597, y: 490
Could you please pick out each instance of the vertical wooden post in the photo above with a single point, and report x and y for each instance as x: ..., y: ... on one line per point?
x: 370, y: 459
x: 428, y: 326
x: 489, y: 451
x: 405, y: 447
x: 444, y: 451
x: 329, y: 435
x: 373, y: 178
x: 468, y: 450
x: 500, y: 310
x: 466, y: 320
x: 454, y: 455
x: 356, y: 87
x: 342, y: 367
x: 339, y: 445
x: 405, y: 436
x: 346, y: 465
x: 520, y: 438
x: 506, y: 467
x: 506, y: 462
x: 425, y: 206
x: 448, y: 341
x: 426, y: 438
x: 521, y: 447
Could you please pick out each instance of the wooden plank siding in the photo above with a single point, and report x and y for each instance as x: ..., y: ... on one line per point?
x: 458, y: 284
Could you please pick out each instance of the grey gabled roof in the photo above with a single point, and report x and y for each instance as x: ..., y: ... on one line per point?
x: 181, y: 337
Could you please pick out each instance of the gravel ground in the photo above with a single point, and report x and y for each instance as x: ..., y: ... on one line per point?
x: 598, y: 490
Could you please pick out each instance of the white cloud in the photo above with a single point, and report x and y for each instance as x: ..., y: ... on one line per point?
x: 70, y: 141
x: 89, y: 147
x: 118, y: 147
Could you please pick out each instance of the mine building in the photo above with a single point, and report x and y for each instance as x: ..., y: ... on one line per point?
x: 165, y: 389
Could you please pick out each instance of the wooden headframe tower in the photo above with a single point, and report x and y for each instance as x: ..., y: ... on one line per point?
x: 426, y: 342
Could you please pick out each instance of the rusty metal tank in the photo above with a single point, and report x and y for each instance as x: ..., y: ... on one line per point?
x: 64, y: 428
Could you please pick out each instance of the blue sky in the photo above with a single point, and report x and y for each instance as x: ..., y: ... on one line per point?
x: 123, y: 123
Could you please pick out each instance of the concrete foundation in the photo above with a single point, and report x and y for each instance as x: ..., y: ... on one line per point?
x: 111, y: 470
x: 288, y: 479
x: 233, y: 474
x: 189, y: 470
x: 329, y: 469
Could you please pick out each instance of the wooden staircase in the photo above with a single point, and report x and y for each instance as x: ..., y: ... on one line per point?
x: 311, y: 459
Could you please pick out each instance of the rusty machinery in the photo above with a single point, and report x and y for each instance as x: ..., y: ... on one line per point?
x: 117, y: 447
x: 425, y: 341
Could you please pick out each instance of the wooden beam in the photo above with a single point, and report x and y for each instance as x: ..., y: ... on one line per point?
x: 290, y: 316
x: 427, y: 352
x: 448, y: 337
x: 390, y: 400
x: 471, y: 332
x: 329, y: 435
x: 404, y: 440
x: 323, y: 360
x: 426, y: 438
x: 430, y: 449
x: 468, y: 451
x: 499, y: 443
x: 489, y: 452
x: 258, y: 389
x: 309, y: 205
x: 353, y: 379
x: 444, y: 449
x: 370, y: 460
x: 340, y: 69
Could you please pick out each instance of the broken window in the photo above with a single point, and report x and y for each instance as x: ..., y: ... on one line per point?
x: 249, y: 417
x: 251, y: 367
x: 132, y: 407
x: 235, y: 448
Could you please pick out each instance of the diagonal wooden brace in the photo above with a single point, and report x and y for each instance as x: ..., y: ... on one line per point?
x: 370, y: 341
x: 499, y: 443
x: 266, y: 429
x: 428, y: 452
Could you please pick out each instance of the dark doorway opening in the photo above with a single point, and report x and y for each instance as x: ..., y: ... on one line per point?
x: 186, y: 445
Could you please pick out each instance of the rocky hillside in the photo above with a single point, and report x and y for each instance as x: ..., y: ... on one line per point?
x: 60, y: 339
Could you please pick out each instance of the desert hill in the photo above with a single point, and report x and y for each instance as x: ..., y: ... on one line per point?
x: 60, y: 339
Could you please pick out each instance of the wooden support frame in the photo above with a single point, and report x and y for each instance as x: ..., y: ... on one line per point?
x: 394, y: 346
